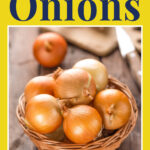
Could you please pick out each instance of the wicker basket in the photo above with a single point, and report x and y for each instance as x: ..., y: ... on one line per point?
x: 108, y: 143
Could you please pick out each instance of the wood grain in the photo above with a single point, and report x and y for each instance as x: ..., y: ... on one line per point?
x: 134, y: 62
x: 81, y: 37
x: 74, y: 54
x: 22, y: 67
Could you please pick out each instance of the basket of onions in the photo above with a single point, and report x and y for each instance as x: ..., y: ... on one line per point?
x: 78, y: 108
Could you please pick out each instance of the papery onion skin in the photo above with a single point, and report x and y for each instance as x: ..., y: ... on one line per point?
x: 82, y: 124
x: 114, y: 107
x: 76, y: 85
x: 50, y: 49
x: 97, y: 70
x: 39, y: 85
x: 43, y: 113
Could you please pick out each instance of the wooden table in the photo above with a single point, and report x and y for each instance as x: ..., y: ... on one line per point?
x: 23, y: 67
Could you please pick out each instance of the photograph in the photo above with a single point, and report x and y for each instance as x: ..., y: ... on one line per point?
x: 75, y: 87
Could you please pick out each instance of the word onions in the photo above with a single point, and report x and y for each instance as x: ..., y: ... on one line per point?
x: 82, y: 123
x: 76, y: 85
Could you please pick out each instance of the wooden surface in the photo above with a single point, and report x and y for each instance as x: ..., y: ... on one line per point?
x: 81, y: 36
x: 23, y: 67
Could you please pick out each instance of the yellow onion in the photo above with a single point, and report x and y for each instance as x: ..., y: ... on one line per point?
x: 75, y: 85
x: 39, y: 85
x: 96, y: 69
x: 43, y: 114
x: 82, y: 123
x: 114, y: 106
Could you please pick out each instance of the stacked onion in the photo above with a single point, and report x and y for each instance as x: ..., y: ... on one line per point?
x: 65, y: 98
x: 75, y: 85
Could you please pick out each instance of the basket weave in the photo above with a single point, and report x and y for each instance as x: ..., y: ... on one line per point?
x: 108, y: 143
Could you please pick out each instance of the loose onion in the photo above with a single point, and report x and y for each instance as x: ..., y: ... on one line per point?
x: 39, y: 85
x: 97, y: 71
x: 114, y: 107
x: 50, y: 49
x: 43, y: 114
x: 76, y: 85
x: 82, y: 124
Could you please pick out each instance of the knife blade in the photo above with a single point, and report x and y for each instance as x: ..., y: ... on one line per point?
x: 127, y: 50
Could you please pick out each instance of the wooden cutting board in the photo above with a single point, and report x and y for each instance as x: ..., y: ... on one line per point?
x: 100, y: 42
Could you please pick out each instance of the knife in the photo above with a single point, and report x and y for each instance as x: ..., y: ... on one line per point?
x: 128, y: 51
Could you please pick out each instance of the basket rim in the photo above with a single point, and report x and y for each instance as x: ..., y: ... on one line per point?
x: 34, y: 136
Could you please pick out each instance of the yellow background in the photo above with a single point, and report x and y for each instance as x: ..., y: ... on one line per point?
x: 23, y: 9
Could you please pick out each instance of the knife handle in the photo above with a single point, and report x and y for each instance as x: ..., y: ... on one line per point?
x: 135, y: 65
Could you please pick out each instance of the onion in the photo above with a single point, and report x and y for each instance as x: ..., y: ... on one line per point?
x: 82, y: 123
x: 39, y: 85
x: 97, y: 71
x: 43, y: 114
x: 114, y: 107
x: 50, y: 49
x: 75, y: 85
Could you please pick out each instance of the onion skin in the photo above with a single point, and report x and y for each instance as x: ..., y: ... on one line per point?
x: 82, y: 124
x: 43, y: 114
x: 75, y: 85
x: 50, y: 49
x: 114, y: 107
x: 39, y: 85
x: 96, y: 69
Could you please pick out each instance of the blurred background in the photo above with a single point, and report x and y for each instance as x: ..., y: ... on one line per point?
x: 83, y: 42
